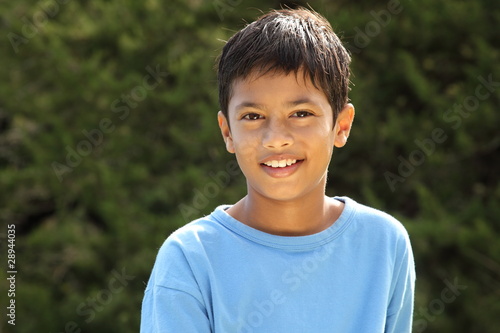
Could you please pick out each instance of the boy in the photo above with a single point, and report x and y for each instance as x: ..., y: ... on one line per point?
x: 285, y: 258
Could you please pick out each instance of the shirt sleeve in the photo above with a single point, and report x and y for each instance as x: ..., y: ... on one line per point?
x: 173, y: 301
x: 166, y: 310
x: 400, y: 311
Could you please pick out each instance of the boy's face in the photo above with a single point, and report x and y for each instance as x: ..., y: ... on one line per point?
x: 282, y: 132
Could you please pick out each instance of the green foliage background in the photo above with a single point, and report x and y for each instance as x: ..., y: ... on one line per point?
x: 107, y: 214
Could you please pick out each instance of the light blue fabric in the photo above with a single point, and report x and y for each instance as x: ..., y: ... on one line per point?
x: 218, y: 275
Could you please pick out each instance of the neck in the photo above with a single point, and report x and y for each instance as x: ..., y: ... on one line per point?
x: 302, y: 216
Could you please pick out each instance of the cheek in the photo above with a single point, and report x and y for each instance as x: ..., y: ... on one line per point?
x: 245, y: 146
x: 319, y: 134
x: 321, y: 140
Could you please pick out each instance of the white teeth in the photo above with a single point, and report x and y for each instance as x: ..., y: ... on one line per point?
x: 280, y: 163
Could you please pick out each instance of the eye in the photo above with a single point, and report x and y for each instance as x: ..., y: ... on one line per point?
x: 302, y: 114
x: 252, y: 116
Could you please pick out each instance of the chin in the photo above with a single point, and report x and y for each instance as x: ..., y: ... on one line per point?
x: 282, y: 193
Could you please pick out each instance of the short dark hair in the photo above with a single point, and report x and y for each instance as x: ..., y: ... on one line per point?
x: 284, y: 41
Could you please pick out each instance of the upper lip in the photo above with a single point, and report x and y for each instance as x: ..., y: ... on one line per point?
x: 280, y: 157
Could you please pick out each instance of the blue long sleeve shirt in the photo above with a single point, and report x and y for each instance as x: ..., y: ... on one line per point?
x: 217, y: 275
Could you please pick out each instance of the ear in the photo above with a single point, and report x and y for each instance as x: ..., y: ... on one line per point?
x: 343, y: 125
x: 225, y: 131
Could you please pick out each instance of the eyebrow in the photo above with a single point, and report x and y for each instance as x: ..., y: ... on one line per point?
x: 290, y: 104
x: 251, y: 105
x: 300, y: 101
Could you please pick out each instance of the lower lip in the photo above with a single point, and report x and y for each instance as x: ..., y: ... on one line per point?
x: 282, y: 172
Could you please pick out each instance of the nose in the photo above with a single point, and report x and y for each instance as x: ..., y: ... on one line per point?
x: 277, y: 135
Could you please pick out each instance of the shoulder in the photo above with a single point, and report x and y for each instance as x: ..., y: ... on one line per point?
x: 194, y: 234
x: 199, y: 239
x: 376, y: 227
x: 381, y: 235
x: 369, y: 217
x: 185, y: 252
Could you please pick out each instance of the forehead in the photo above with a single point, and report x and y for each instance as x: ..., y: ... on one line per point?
x: 273, y: 88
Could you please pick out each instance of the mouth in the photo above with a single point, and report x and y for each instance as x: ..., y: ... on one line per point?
x: 281, y: 167
x: 281, y: 163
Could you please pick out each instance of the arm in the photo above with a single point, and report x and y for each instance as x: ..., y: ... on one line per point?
x: 400, y: 311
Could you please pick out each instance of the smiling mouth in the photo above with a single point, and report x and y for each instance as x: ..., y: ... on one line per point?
x: 280, y: 163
